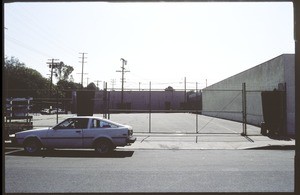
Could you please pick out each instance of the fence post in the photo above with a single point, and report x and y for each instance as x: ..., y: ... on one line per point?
x: 56, y: 105
x: 150, y: 107
x: 244, y: 109
x: 108, y: 103
x: 105, y: 99
x: 196, y: 107
x: 196, y: 121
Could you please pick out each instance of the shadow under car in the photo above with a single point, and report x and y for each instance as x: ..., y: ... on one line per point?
x: 73, y: 153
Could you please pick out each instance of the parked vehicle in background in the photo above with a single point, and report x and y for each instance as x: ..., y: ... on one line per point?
x: 16, y: 117
x: 78, y: 132
x: 58, y: 110
x: 46, y: 111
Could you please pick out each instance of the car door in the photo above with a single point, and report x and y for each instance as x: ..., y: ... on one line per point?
x: 93, y: 132
x: 67, y: 134
x: 99, y: 128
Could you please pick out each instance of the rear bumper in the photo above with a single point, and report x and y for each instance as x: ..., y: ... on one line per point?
x: 131, y: 140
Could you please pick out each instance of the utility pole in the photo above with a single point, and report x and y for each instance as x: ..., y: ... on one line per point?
x: 52, y: 65
x: 113, y: 81
x: 185, y: 89
x: 82, y: 61
x: 82, y: 78
x: 97, y: 81
x: 124, y: 62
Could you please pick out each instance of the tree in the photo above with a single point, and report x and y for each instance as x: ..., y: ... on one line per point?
x: 12, y: 62
x: 68, y: 85
x: 169, y: 89
x: 92, y: 86
x: 66, y: 89
x: 63, y: 71
x: 20, y: 81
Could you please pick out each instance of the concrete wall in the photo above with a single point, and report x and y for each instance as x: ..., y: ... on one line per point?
x: 289, y: 75
x: 224, y: 99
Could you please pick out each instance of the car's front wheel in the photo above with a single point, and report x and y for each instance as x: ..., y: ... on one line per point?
x: 103, y: 147
x: 32, y: 146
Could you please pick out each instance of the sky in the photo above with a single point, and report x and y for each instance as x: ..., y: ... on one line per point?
x: 163, y: 43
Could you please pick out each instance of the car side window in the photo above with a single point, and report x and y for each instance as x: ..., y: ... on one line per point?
x: 81, y: 123
x: 73, y: 123
x: 95, y: 123
x: 104, y: 124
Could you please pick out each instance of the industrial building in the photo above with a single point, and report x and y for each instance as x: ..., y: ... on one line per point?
x: 268, y: 98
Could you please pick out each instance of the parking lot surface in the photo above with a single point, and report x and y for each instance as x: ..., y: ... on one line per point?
x: 183, y: 131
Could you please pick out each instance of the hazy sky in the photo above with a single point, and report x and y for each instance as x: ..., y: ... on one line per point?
x: 162, y: 42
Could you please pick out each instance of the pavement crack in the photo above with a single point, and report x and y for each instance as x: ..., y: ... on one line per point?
x: 248, y: 138
x: 145, y: 138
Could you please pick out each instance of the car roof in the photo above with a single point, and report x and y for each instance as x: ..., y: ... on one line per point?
x: 99, y: 118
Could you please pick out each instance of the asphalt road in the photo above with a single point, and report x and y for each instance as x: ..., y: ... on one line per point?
x: 150, y: 171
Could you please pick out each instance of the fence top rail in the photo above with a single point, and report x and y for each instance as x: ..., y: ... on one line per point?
x: 221, y: 90
x: 223, y: 111
x: 157, y: 111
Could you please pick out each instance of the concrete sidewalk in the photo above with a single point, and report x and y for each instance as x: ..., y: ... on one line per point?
x: 206, y: 141
x: 154, y: 141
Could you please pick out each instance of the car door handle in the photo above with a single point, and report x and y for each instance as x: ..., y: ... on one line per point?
x: 78, y: 131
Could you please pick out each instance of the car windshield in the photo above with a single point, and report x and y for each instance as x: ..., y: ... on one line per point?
x: 73, y: 123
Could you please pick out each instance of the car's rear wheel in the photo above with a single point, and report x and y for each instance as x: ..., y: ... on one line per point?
x: 103, y: 147
x: 32, y: 146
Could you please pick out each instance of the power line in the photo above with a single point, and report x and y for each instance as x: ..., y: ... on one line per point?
x: 20, y: 43
x: 34, y: 28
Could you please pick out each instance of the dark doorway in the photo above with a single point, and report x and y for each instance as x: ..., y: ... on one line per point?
x: 274, y: 112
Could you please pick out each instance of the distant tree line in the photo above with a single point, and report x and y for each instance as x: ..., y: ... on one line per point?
x: 19, y: 81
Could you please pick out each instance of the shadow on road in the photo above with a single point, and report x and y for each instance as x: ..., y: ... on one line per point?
x: 274, y: 147
x: 279, y: 137
x: 73, y: 154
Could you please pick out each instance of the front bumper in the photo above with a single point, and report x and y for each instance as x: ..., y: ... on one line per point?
x: 12, y: 140
x: 131, y: 140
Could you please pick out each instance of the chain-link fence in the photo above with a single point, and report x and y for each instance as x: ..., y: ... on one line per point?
x: 157, y: 111
x: 246, y: 104
x: 47, y: 111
